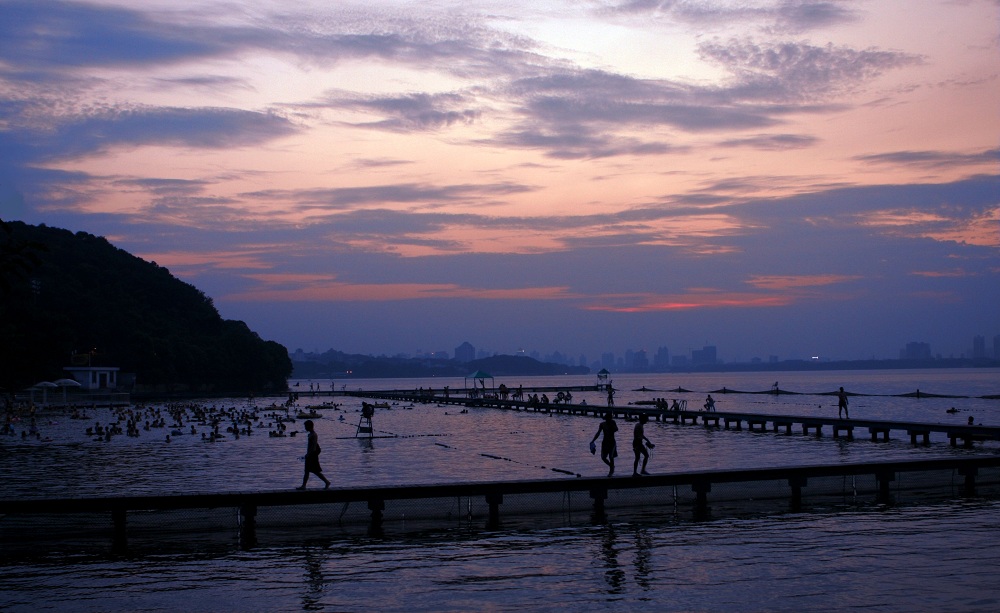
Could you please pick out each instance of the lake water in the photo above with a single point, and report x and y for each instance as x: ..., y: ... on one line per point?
x: 915, y: 556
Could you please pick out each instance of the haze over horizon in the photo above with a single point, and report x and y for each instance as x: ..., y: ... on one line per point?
x: 774, y: 177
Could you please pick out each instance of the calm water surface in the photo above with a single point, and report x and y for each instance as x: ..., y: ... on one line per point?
x: 912, y: 557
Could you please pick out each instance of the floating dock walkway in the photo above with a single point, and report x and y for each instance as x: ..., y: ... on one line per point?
x: 918, y: 432
x: 966, y: 476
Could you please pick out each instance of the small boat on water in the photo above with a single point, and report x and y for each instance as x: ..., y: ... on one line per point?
x: 308, y: 415
x: 381, y: 405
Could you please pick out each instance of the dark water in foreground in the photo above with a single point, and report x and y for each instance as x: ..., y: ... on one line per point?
x: 909, y: 559
x: 917, y: 556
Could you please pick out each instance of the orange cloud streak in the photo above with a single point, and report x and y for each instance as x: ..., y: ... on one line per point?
x: 784, y: 282
x: 698, y: 301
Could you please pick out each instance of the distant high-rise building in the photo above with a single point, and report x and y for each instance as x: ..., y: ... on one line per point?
x: 915, y: 351
x: 465, y: 352
x: 661, y: 359
x: 996, y: 347
x: 640, y: 361
x: 978, y: 347
x: 704, y: 356
x: 608, y: 360
x: 558, y: 357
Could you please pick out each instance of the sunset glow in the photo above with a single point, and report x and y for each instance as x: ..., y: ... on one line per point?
x: 339, y: 175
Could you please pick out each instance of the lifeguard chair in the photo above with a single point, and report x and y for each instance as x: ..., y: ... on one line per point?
x: 602, y: 379
x: 365, y: 423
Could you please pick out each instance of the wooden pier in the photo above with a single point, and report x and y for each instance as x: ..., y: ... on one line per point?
x: 493, y: 493
x: 918, y: 432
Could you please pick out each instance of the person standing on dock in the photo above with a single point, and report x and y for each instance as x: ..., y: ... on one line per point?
x: 611, y: 395
x: 639, y: 443
x: 609, y: 448
x: 312, y: 457
x: 710, y: 403
x: 842, y: 404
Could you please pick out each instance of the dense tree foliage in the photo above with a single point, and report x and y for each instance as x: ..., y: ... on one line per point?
x: 63, y: 293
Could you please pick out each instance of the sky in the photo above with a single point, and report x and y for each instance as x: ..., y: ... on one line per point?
x: 789, y: 178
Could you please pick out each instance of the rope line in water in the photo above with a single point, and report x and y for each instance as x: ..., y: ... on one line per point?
x: 386, y: 433
x: 486, y: 455
x: 513, y: 461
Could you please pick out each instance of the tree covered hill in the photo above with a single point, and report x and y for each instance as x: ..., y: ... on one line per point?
x: 63, y: 293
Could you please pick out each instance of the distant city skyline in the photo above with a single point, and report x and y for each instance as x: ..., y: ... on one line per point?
x: 662, y: 357
x: 794, y: 178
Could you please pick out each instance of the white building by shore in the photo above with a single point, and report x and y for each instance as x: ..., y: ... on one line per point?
x: 94, y: 378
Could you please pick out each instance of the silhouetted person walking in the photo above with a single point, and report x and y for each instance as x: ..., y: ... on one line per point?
x: 638, y: 438
x: 609, y: 449
x: 312, y: 457
x: 842, y: 403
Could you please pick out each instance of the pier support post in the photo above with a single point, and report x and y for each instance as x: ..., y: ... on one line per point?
x: 376, y: 506
x: 849, y: 429
x: 120, y: 537
x: 701, y: 488
x: 970, y: 474
x: 599, y: 494
x: 875, y: 431
x: 884, y: 480
x: 786, y: 424
x: 494, y: 499
x: 797, y: 483
x: 248, y: 526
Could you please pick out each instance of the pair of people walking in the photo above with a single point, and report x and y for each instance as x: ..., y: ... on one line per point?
x: 609, y: 447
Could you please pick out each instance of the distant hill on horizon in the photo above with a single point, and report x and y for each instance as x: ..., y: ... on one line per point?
x: 336, y: 364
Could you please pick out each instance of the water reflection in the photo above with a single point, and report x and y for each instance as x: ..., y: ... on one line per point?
x: 940, y: 557
x: 613, y: 573
x: 643, y: 557
x: 313, y: 560
x: 621, y: 542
